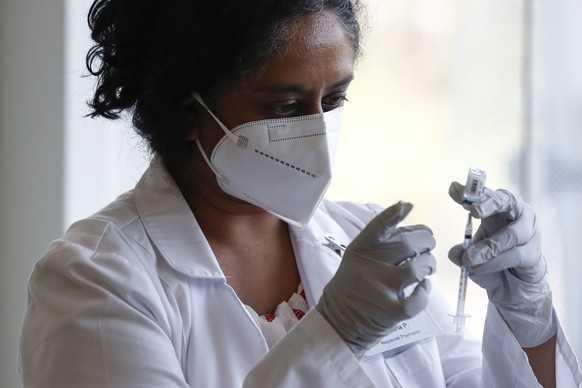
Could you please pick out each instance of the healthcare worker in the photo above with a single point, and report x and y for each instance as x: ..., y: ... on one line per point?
x: 214, y: 271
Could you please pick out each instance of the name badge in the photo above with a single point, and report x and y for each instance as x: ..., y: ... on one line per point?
x: 421, y: 328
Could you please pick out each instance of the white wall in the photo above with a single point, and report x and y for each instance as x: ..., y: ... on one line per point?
x: 55, y: 165
x: 103, y: 158
x: 31, y: 155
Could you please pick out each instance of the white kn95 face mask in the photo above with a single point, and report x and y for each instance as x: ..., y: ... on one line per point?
x: 281, y: 165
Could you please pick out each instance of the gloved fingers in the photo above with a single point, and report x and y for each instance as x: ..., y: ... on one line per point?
x: 501, y: 262
x: 418, y: 268
x: 456, y: 254
x: 484, y: 263
x: 456, y: 192
x: 488, y: 282
x: 492, y: 202
x: 522, y: 259
x: 522, y: 232
x: 405, y: 242
x: 418, y: 299
x: 383, y: 225
x: 502, y: 202
x: 416, y: 238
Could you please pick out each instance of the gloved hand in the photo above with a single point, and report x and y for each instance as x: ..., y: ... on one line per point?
x: 365, y: 299
x: 506, y: 260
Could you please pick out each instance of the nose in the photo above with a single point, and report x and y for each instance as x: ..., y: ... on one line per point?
x: 312, y: 108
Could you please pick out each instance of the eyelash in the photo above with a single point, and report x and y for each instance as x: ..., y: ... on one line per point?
x: 338, y: 100
x: 291, y: 108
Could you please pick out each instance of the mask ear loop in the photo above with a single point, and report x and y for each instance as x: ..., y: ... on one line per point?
x: 241, y: 141
x: 228, y: 133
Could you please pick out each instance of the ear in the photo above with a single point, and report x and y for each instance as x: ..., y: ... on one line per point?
x: 191, y: 118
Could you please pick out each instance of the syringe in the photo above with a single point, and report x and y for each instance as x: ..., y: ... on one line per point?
x: 459, y: 317
x: 473, y: 190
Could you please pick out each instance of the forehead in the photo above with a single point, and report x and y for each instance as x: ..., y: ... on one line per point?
x: 317, y: 45
x: 318, y: 30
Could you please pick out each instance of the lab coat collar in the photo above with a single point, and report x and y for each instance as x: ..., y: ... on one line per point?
x: 171, y: 225
x: 175, y: 232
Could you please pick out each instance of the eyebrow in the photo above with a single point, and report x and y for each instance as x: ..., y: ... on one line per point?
x: 299, y: 88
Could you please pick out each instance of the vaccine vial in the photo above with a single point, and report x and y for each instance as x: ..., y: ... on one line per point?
x: 475, y: 184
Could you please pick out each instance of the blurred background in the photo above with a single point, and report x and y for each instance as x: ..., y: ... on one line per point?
x: 443, y: 85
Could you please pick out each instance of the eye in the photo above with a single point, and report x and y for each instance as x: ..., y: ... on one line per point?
x: 333, y: 101
x: 285, y: 108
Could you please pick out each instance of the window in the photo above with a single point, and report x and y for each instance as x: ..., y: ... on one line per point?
x: 448, y: 84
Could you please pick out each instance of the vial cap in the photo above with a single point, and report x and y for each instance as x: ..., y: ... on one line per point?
x: 475, y: 184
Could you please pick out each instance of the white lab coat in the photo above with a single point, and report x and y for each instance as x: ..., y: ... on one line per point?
x: 134, y: 297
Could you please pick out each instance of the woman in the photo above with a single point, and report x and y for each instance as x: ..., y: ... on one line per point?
x: 195, y: 277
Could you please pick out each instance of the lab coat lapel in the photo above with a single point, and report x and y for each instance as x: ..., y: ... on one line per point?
x: 171, y: 225
x: 317, y: 264
x: 316, y: 260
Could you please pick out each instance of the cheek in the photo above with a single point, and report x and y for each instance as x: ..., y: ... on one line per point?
x: 190, y: 121
x: 192, y: 133
x: 209, y: 134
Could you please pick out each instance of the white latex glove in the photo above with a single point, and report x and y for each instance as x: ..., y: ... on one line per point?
x: 365, y: 299
x: 506, y: 260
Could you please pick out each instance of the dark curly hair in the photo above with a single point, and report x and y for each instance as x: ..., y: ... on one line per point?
x: 151, y: 54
